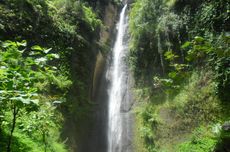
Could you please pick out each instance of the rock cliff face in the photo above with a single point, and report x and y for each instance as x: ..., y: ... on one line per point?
x: 97, y: 133
x: 87, y: 133
x: 127, y: 1
x: 106, y: 37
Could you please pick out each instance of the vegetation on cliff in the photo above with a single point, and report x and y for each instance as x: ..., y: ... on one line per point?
x: 179, y: 53
x: 47, y: 50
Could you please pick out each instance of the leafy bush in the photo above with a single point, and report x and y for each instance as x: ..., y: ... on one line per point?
x: 217, y: 56
x: 19, y: 94
x: 202, y: 140
x: 179, y: 50
x: 91, y: 18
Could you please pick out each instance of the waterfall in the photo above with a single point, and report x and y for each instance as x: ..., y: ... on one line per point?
x: 119, y: 99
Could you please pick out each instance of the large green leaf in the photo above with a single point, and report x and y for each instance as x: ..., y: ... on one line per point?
x: 186, y: 45
x: 8, y: 43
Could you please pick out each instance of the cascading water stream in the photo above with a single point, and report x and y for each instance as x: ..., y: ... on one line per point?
x: 118, y: 125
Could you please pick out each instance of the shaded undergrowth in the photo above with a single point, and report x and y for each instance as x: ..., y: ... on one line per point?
x: 188, y: 121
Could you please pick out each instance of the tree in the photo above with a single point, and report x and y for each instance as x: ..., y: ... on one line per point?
x: 19, y: 75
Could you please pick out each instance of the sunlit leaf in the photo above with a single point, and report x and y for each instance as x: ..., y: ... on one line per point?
x: 41, y: 60
x: 52, y: 56
x: 21, y: 99
x: 35, y: 101
x: 185, y: 45
x: 47, y: 50
x: 23, y: 43
x: 8, y: 43
x: 35, y: 53
x: 57, y: 102
x: 172, y: 74
x: 36, y: 47
x: 199, y: 39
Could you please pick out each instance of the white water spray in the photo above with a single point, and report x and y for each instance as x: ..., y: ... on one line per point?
x: 116, y: 119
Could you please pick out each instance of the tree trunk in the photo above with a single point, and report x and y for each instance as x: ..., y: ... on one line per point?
x: 44, y: 140
x: 15, y: 112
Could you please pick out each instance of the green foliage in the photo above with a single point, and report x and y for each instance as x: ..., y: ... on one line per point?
x: 19, y: 94
x: 71, y: 29
x: 153, y: 26
x: 200, y: 49
x: 73, y: 14
x: 160, y: 26
x: 17, y: 77
x: 169, y: 122
x: 91, y: 18
x: 143, y: 19
x: 43, y: 126
x: 169, y: 55
x: 150, y: 121
x: 179, y: 50
x: 202, y: 140
x: 217, y: 56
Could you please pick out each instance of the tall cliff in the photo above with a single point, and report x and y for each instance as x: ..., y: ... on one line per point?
x: 85, y: 125
x: 81, y: 33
